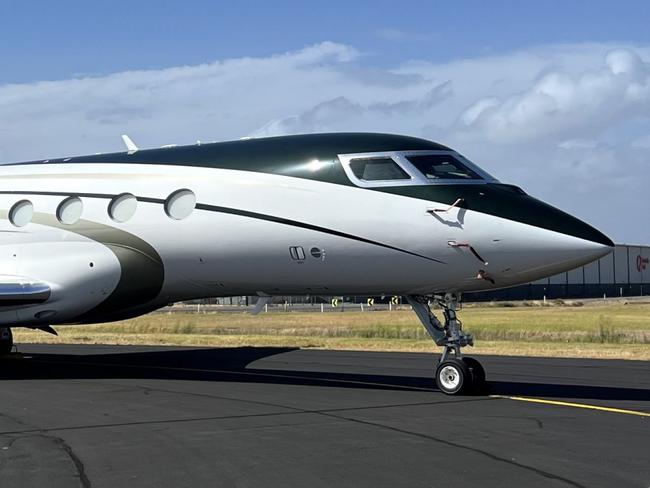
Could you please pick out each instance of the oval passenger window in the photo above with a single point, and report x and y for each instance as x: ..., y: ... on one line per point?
x: 122, y: 207
x: 21, y: 213
x: 180, y: 204
x: 69, y: 210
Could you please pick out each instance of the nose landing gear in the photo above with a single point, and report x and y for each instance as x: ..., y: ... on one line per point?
x: 6, y: 340
x: 455, y: 373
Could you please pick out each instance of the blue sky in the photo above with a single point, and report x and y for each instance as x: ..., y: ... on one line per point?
x: 552, y: 96
x: 55, y: 40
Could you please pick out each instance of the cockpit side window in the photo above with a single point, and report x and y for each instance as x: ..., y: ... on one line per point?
x: 442, y: 167
x: 377, y: 169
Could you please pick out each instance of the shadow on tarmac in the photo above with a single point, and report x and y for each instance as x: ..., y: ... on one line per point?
x: 231, y: 364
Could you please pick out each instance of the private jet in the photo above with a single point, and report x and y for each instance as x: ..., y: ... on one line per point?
x: 108, y: 237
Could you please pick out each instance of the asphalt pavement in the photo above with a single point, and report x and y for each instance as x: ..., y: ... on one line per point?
x: 117, y: 416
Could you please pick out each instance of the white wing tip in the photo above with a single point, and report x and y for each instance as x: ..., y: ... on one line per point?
x: 130, y: 145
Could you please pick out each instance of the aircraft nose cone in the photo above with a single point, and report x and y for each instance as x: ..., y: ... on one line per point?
x: 534, y: 252
x: 563, y: 252
x: 548, y: 217
x: 529, y: 210
x: 591, y: 250
x: 571, y: 242
x: 561, y: 242
x: 555, y: 241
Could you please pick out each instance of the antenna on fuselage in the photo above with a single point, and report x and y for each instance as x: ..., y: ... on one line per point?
x: 130, y: 145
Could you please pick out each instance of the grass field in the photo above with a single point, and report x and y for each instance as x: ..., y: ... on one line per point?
x: 600, y: 330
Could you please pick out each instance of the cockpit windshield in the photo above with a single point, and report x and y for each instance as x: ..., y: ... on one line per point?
x: 408, y: 168
x: 442, y: 167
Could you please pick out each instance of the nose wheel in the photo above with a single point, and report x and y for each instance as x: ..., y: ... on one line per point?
x: 460, y: 375
x: 6, y: 340
x: 452, y: 376
x: 455, y: 373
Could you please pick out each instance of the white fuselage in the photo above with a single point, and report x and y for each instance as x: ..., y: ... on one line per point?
x: 214, y: 252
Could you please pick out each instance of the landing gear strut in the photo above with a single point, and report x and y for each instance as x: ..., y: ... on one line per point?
x: 455, y: 373
x: 6, y: 340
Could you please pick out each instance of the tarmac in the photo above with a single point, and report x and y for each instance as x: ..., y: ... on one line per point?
x: 124, y: 416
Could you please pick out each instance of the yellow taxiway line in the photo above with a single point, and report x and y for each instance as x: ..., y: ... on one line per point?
x: 574, y: 405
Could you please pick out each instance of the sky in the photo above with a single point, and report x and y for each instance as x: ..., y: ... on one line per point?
x: 553, y: 97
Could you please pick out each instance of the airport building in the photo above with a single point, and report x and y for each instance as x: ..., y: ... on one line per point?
x: 624, y: 272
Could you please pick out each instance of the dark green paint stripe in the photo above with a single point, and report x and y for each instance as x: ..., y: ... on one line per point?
x: 142, y: 270
x: 108, y: 196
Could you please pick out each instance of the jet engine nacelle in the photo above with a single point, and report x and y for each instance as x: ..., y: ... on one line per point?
x: 80, y: 276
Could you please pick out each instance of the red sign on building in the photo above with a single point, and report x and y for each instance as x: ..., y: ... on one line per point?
x: 641, y: 263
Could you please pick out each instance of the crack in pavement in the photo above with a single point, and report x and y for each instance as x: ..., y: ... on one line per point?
x: 78, y: 463
x: 13, y: 419
x: 488, y: 454
x: 296, y: 409
x: 200, y: 419
x: 330, y: 413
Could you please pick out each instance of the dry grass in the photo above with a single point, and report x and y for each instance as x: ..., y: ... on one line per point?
x: 616, y: 330
x: 507, y: 348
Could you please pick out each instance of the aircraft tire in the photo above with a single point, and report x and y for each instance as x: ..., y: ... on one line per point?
x: 6, y: 341
x: 453, y: 376
x: 477, y: 372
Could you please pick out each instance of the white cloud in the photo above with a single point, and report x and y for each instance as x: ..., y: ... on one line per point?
x: 569, y: 123
x: 221, y: 100
x: 342, y: 112
x: 559, y: 104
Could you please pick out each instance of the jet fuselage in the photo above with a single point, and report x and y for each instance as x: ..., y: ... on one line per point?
x: 105, y: 237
